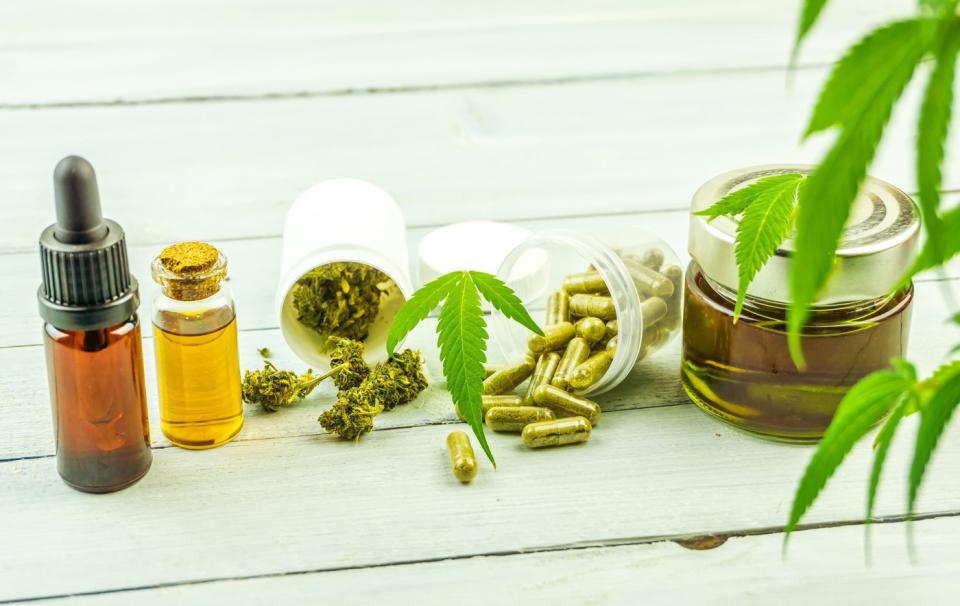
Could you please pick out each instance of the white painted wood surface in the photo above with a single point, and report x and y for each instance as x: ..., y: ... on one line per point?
x: 205, y: 121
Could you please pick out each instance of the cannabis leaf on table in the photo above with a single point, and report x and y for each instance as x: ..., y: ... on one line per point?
x: 767, y: 210
x: 461, y: 333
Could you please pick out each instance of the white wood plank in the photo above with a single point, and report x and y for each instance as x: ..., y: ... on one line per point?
x: 53, y: 51
x: 312, y: 503
x: 825, y: 566
x: 172, y: 172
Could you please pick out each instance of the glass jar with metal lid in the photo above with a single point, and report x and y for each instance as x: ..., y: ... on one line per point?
x: 741, y: 372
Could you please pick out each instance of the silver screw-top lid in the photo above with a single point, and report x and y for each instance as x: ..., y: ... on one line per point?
x: 878, y: 244
x: 83, y: 257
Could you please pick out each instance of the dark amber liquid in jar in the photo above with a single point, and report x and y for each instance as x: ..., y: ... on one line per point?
x: 742, y: 373
x: 99, y: 403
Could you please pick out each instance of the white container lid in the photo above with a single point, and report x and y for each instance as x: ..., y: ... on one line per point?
x: 470, y: 245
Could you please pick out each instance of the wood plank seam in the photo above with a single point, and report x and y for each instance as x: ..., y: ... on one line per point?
x: 612, y: 544
x: 478, y: 85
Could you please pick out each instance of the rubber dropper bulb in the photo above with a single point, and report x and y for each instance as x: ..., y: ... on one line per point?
x: 79, y: 219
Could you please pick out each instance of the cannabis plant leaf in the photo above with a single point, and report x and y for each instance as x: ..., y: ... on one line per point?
x: 880, y: 448
x: 863, y: 406
x: 935, y: 113
x: 462, y: 337
x: 762, y: 228
x: 929, y: 256
x: 808, y: 18
x: 933, y: 418
x: 419, y: 307
x: 858, y: 98
x: 738, y: 200
x: 502, y: 298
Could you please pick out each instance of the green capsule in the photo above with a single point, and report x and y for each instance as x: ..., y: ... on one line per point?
x: 590, y: 282
x: 652, y: 258
x: 489, y: 369
x: 505, y: 380
x: 571, y: 430
x: 653, y: 338
x: 591, y: 370
x: 558, y: 308
x: 613, y: 328
x: 652, y: 310
x: 543, y: 373
x: 612, y: 343
x: 577, y: 351
x: 462, y: 460
x: 554, y: 337
x: 593, y: 305
x: 563, y: 403
x: 675, y: 303
x: 492, y: 402
x: 650, y: 283
x: 591, y: 329
x: 515, y: 418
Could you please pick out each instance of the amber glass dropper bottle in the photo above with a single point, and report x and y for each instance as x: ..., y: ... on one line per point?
x: 88, y: 301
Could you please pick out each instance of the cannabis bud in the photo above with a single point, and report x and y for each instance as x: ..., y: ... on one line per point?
x: 397, y: 381
x: 273, y: 388
x: 340, y: 299
x: 347, y: 357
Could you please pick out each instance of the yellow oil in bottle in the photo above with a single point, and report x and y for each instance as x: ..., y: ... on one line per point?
x: 199, y: 382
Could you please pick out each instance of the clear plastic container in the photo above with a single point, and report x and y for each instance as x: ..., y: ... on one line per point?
x: 645, y: 287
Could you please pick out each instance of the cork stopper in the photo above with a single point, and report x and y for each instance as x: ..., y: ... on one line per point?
x: 189, y: 271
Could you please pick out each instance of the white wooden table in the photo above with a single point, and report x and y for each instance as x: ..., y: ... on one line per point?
x: 206, y: 121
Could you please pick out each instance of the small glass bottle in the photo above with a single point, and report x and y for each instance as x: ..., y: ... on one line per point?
x: 91, y: 335
x: 742, y: 372
x: 195, y: 341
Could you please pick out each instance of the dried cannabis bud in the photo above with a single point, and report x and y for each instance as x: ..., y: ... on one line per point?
x: 391, y: 383
x: 273, y: 389
x: 340, y: 299
x: 347, y: 356
x: 264, y: 352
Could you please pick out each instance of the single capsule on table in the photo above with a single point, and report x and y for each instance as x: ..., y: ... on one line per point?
x: 515, y: 418
x: 554, y: 337
x: 558, y: 308
x: 593, y: 305
x: 489, y: 402
x: 504, y: 380
x: 560, y: 432
x: 613, y: 328
x: 652, y: 310
x: 576, y: 352
x: 591, y: 370
x: 588, y: 282
x: 462, y: 460
x: 564, y: 403
x: 543, y: 373
x: 650, y: 283
x: 591, y: 329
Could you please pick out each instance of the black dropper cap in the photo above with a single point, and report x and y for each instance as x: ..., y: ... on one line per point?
x: 86, y: 276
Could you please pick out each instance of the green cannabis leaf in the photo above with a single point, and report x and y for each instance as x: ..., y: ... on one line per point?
x: 767, y: 207
x: 933, y: 419
x: 858, y: 99
x: 930, y: 256
x: 808, y: 17
x: 863, y: 407
x: 461, y: 334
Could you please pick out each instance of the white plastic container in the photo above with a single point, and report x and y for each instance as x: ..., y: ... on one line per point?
x: 614, y: 254
x: 342, y: 220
